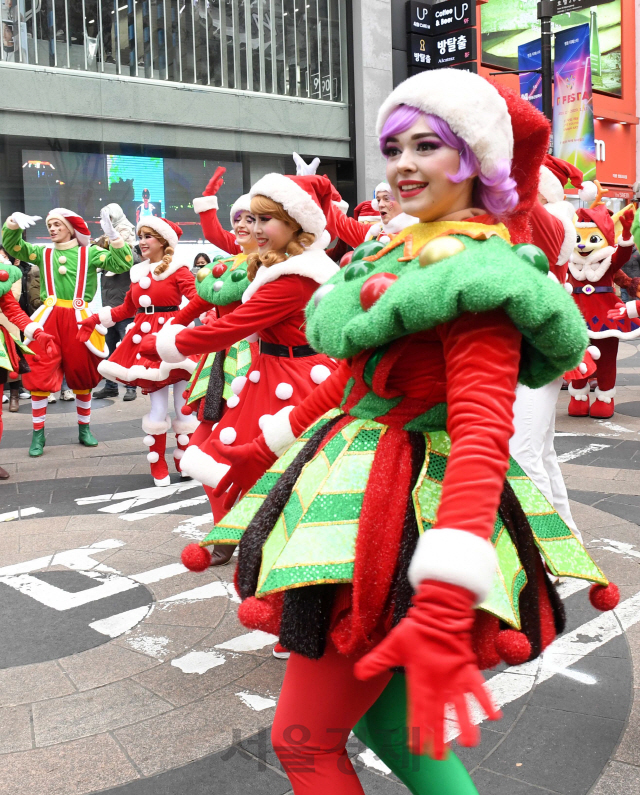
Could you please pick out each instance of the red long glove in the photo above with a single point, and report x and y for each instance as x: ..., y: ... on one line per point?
x: 248, y: 462
x: 433, y: 643
x: 46, y: 341
x: 626, y: 219
x: 148, y: 348
x: 215, y: 183
x: 86, y: 327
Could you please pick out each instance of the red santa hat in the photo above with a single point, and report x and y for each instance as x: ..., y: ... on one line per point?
x: 554, y: 175
x: 365, y: 213
x: 74, y: 223
x: 300, y: 196
x: 241, y: 205
x: 597, y: 218
x: 163, y: 226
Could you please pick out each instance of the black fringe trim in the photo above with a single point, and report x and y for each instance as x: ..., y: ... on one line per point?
x: 306, y: 619
x: 257, y: 532
x: 213, y: 399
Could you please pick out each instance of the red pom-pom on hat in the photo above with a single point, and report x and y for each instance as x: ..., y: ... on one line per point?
x: 513, y: 647
x: 604, y: 597
x: 195, y: 557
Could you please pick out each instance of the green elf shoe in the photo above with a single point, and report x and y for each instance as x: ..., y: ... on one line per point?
x: 37, y: 443
x: 85, y: 436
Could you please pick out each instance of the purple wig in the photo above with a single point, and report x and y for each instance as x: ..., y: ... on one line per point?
x: 495, y: 192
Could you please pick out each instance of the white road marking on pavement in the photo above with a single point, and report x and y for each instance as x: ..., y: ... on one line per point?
x: 117, y: 625
x: 188, y: 528
x: 56, y: 598
x: 172, y: 506
x: 21, y: 512
x: 613, y: 427
x: 256, y: 703
x: 151, y: 645
x: 94, y: 499
x: 199, y: 662
x: 153, y: 492
x: 569, y: 586
x: 579, y: 676
x: 161, y: 573
x: 251, y: 641
x: 619, y: 547
x: 74, y: 558
x: 371, y: 760
x: 592, y: 448
x: 207, y: 591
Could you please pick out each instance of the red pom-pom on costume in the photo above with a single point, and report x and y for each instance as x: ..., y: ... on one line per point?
x: 185, y: 394
x: 485, y: 633
x: 195, y: 557
x: 513, y: 647
x: 604, y: 597
x: 264, y: 614
x: 187, y: 409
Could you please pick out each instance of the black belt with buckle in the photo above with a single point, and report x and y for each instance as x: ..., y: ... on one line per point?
x: 150, y: 310
x: 589, y: 289
x: 286, y: 351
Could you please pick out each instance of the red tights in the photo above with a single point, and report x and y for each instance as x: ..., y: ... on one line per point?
x: 321, y: 701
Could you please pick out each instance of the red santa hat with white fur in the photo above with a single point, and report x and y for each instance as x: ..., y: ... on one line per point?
x: 75, y: 224
x: 163, y: 226
x: 554, y: 175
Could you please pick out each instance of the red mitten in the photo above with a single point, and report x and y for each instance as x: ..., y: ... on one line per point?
x: 215, y: 183
x: 86, y: 327
x: 148, y: 348
x: 618, y: 311
x: 249, y: 462
x: 626, y: 219
x: 433, y: 643
x: 47, y: 342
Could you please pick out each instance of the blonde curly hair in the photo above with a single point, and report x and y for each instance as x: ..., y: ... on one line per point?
x: 262, y: 205
x: 169, y: 251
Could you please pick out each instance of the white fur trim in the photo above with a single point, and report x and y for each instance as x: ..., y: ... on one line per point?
x: 160, y: 226
x: 342, y: 205
x: 468, y: 103
x: 128, y: 375
x: 30, y: 330
x: 568, y: 288
x: 392, y: 227
x: 456, y: 557
x: 632, y: 309
x: 155, y: 427
x: 607, y: 396
x: 559, y: 210
x: 146, y: 268
x: 242, y: 204
x: 593, y: 267
x: 594, y: 352
x: 550, y: 186
x: 312, y: 263
x: 203, y: 203
x: 295, y: 200
x: 624, y: 243
x: 264, y: 418
x: 166, y: 343
x: 284, y: 391
x: 588, y: 192
x: 586, y: 225
x: 202, y: 467
x: 581, y: 394
x: 104, y: 316
x: 185, y: 425
x: 277, y: 431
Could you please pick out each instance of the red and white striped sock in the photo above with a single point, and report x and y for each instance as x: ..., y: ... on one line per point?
x: 83, y: 407
x: 39, y: 411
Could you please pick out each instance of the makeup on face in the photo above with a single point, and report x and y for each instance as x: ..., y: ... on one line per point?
x: 58, y: 232
x: 388, y: 207
x: 271, y: 234
x: 150, y: 247
x: 243, y: 226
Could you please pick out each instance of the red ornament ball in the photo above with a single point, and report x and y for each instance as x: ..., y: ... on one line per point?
x: 346, y: 259
x: 219, y: 269
x: 4, y: 276
x: 195, y: 557
x: 604, y: 597
x: 513, y: 647
x: 374, y: 288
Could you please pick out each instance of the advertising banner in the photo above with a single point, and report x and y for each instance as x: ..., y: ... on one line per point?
x: 530, y: 57
x: 573, y: 132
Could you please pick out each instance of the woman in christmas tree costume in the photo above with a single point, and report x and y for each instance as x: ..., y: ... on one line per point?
x: 158, y: 285
x: 12, y: 359
x: 406, y: 484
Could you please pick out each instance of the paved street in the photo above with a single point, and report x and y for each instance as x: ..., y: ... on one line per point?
x: 123, y: 673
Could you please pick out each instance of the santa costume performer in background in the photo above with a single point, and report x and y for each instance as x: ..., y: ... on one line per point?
x: 12, y: 351
x: 158, y: 285
x: 283, y: 275
x: 407, y: 484
x: 68, y: 283
x: 600, y: 252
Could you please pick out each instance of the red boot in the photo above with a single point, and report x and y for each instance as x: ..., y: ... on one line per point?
x: 183, y: 428
x: 603, y: 406
x: 156, y: 441
x: 579, y: 403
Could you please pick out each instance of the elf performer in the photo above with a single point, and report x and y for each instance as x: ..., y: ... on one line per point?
x: 158, y: 285
x: 593, y: 265
x: 12, y: 358
x: 407, y: 484
x: 68, y: 283
x: 284, y: 273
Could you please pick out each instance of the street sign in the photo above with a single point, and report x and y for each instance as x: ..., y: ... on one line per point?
x: 431, y: 52
x: 447, y: 17
x: 549, y: 8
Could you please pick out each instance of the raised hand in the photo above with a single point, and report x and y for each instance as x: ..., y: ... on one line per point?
x: 626, y: 219
x: 304, y: 169
x: 25, y: 221
x: 107, y: 225
x: 215, y: 183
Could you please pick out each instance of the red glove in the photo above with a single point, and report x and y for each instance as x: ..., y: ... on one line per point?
x: 86, y: 327
x: 618, y: 311
x: 47, y: 342
x: 249, y: 462
x: 215, y: 183
x: 147, y: 348
x: 626, y: 219
x: 433, y: 643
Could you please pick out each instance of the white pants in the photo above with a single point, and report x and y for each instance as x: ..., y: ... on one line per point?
x: 160, y: 402
x: 534, y: 419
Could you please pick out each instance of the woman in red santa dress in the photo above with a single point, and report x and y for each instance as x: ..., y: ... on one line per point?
x: 288, y: 268
x: 158, y: 285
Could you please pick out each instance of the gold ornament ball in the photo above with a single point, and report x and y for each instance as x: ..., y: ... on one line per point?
x: 202, y: 274
x: 439, y: 249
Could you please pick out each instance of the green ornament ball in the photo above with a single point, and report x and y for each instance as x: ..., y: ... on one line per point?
x: 238, y: 275
x: 366, y: 249
x: 358, y: 269
x: 533, y: 256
